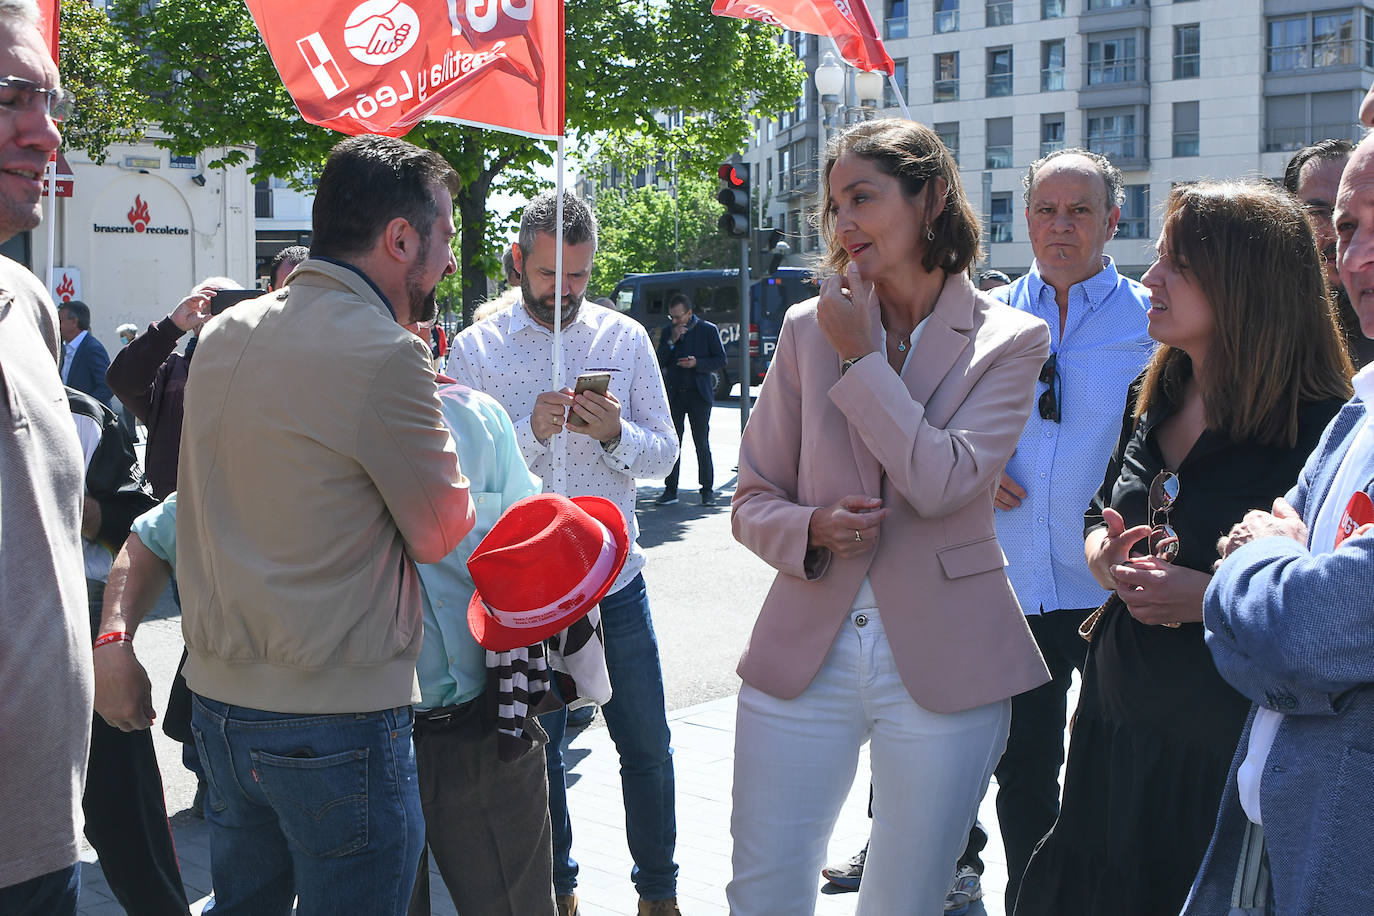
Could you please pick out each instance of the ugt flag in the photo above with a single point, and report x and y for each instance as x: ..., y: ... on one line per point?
x: 380, y: 66
x: 847, y: 21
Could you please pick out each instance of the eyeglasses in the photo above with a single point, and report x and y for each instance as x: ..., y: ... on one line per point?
x: 19, y: 95
x: 1049, y: 402
x: 1163, y: 538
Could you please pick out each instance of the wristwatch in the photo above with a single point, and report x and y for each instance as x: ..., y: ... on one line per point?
x: 849, y: 364
x: 610, y: 445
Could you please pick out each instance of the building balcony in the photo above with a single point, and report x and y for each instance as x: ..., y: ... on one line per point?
x: 999, y: 232
x: 1052, y: 79
x: 999, y: 84
x: 895, y: 27
x: 1185, y: 143
x: 1290, y: 139
x: 1133, y: 227
x: 998, y: 13
x: 1126, y: 151
x: 1116, y: 72
x: 998, y: 157
x: 946, y: 21
x: 1320, y: 55
x: 1050, y: 146
x: 947, y: 90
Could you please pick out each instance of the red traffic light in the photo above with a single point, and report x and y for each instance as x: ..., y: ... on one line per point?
x: 731, y: 174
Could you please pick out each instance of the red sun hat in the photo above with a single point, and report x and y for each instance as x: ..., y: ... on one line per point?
x: 546, y: 562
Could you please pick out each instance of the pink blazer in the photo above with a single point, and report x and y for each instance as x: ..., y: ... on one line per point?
x: 932, y: 444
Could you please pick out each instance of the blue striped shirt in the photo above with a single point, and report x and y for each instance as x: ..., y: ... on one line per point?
x: 1103, y: 347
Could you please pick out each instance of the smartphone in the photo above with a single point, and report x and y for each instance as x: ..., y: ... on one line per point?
x: 224, y: 298
x: 600, y: 382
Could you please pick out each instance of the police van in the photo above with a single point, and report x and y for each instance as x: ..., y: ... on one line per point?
x: 715, y: 298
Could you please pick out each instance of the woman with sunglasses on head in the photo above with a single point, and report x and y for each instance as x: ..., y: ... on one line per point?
x: 866, y: 478
x: 1250, y: 369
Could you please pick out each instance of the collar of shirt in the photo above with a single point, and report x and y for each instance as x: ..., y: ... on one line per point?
x: 1095, y: 289
x: 520, y: 318
x: 1363, y: 383
x: 75, y: 342
x: 380, y: 295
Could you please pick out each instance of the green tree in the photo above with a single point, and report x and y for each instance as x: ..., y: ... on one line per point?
x: 644, y: 231
x: 215, y: 86
x: 98, y: 67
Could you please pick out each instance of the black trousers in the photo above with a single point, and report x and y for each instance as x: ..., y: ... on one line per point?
x: 126, y: 814
x: 1028, y: 773
x: 688, y: 404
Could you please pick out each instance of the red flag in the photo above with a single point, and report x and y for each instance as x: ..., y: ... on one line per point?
x: 49, y: 12
x: 847, y: 21
x: 380, y: 66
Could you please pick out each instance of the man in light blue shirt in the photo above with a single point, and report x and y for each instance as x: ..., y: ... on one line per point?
x: 1099, y: 343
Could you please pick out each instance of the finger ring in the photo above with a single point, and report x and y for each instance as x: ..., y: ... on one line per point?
x: 856, y: 536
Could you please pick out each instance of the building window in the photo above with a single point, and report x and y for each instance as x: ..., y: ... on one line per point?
x: 896, y: 19
x: 998, y: 13
x: 1187, y: 60
x: 946, y: 16
x: 1112, y: 60
x: 1185, y: 129
x: 1051, y: 132
x: 1111, y: 4
x: 998, y: 155
x: 1135, y: 213
x: 1315, y: 40
x: 999, y: 218
x: 947, y: 77
x: 999, y: 72
x: 898, y: 77
x: 948, y: 132
x: 1112, y: 132
x: 1051, y: 9
x: 1294, y: 121
x: 1051, y: 65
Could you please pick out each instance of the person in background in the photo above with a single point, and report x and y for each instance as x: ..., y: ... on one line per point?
x: 84, y: 359
x: 283, y: 262
x: 1313, y: 175
x: 689, y: 352
x: 1249, y: 371
x: 866, y: 477
x: 127, y: 333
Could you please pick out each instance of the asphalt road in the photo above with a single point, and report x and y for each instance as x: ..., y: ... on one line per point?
x: 704, y: 591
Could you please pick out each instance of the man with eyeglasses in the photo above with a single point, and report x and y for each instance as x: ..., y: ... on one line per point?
x: 1098, y: 345
x: 45, y: 656
x: 1313, y: 175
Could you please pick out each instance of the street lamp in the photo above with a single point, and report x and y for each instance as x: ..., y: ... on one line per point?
x: 868, y: 85
x: 829, y: 78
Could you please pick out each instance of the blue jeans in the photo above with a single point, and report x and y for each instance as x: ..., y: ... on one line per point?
x: 53, y: 894
x: 638, y: 724
x: 326, y: 807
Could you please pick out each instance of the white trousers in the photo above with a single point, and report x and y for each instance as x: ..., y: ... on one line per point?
x: 794, y: 767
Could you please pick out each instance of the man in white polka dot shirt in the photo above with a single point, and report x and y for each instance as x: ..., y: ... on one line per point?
x: 628, y: 433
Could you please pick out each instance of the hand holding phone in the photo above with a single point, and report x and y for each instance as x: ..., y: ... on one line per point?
x: 599, y: 382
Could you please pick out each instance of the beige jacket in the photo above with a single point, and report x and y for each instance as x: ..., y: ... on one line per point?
x: 932, y: 444
x: 315, y: 467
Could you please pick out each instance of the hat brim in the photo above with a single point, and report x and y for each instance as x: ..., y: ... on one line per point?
x: 491, y: 634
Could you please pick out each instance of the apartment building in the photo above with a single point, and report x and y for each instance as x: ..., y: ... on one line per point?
x: 1170, y: 90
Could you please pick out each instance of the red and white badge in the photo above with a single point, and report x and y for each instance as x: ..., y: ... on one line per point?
x: 1359, y: 511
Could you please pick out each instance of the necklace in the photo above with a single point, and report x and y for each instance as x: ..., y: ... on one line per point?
x: 901, y: 346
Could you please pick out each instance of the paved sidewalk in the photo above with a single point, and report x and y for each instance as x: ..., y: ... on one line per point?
x: 703, y: 742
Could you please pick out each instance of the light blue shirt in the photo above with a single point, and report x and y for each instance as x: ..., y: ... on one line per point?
x: 452, y: 666
x: 1104, y: 346
x: 157, y: 529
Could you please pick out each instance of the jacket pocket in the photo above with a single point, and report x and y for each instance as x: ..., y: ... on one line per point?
x: 969, y: 559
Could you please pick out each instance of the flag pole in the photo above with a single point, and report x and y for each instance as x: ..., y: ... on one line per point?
x: 901, y: 96
x: 52, y: 216
x: 560, y: 439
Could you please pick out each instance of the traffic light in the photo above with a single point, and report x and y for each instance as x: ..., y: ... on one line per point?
x: 734, y: 194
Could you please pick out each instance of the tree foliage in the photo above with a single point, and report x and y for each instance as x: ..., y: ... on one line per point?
x: 98, y: 67
x: 637, y: 232
x: 215, y: 86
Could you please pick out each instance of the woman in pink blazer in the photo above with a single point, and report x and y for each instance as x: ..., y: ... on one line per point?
x: 866, y: 478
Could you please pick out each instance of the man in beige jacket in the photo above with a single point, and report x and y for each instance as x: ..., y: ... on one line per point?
x: 312, y: 478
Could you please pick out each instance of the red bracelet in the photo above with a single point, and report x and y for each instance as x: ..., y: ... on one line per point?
x: 113, y: 636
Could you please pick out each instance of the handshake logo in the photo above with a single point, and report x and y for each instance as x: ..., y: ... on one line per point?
x: 379, y: 31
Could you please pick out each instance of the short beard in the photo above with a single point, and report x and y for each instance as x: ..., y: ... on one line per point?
x: 424, y: 306
x: 542, y: 311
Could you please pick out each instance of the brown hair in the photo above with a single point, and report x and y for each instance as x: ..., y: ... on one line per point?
x: 1276, y: 341
x: 913, y: 154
